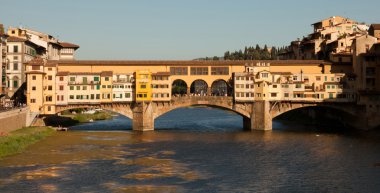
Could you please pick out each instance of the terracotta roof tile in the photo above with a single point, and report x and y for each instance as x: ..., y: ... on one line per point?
x: 68, y: 45
x: 35, y: 72
x: 15, y: 39
x: 375, y: 26
x: 106, y: 73
x: 37, y: 61
x: 63, y: 73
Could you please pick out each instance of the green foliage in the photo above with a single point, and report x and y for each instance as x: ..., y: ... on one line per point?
x: 253, y: 53
x: 20, y: 139
x: 98, y: 116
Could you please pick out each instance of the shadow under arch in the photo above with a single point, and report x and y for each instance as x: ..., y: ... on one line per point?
x: 199, y: 87
x: 122, y: 122
x: 220, y: 87
x: 179, y: 87
x: 319, y: 115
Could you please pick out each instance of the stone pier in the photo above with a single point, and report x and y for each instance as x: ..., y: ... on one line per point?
x: 261, y: 118
x: 143, y: 119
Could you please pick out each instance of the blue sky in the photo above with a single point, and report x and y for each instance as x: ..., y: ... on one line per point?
x: 177, y: 29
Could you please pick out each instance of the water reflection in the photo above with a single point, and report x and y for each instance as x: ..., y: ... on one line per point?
x: 108, y: 158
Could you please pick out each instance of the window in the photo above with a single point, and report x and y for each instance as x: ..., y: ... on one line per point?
x: 84, y: 79
x: 71, y: 87
x: 109, y: 86
x: 15, y: 49
x: 332, y: 78
x: 127, y: 95
x: 50, y: 77
x: 84, y: 87
x: 78, y: 87
x: 97, y: 96
x: 61, y: 78
x: 15, y: 57
x: 72, y: 79
x: 71, y: 96
x: 331, y: 95
x: 58, y: 97
x: 48, y: 98
x: 33, y: 77
x: 107, y: 78
x: 96, y: 78
x: 294, y: 77
x: 104, y: 86
x: 33, y: 88
x: 318, y: 78
x: 199, y: 71
x: 49, y: 108
x: 298, y: 85
x: 97, y: 87
x: 15, y: 84
x: 273, y: 94
x: 142, y: 86
x: 50, y: 87
x: 286, y: 95
x: 274, y: 86
x: 78, y: 97
x: 15, y: 66
x: 50, y: 69
x: 264, y: 75
x: 328, y: 86
x: 32, y: 100
x: 219, y: 71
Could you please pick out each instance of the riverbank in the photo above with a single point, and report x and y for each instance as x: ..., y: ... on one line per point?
x: 17, y: 141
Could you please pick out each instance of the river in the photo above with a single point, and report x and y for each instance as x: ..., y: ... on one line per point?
x: 196, y: 150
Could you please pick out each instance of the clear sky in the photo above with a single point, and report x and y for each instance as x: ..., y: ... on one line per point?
x: 177, y: 29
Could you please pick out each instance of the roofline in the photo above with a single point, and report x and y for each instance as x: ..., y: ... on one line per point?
x: 186, y: 62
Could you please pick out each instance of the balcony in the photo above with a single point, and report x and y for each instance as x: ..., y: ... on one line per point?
x: 84, y: 83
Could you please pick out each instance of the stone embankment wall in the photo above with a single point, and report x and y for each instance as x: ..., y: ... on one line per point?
x: 13, y: 119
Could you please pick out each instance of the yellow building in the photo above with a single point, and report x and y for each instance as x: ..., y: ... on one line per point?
x: 161, y: 86
x: 143, y: 85
x: 106, y: 86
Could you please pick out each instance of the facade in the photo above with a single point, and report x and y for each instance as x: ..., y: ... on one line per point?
x: 123, y: 88
x: 82, y: 82
x: 143, y: 85
x: 161, y: 86
x: 284, y: 86
x: 3, y: 59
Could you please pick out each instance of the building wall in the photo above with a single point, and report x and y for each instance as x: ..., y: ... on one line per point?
x: 143, y: 85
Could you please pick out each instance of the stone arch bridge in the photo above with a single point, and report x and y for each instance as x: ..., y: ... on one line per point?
x: 256, y: 115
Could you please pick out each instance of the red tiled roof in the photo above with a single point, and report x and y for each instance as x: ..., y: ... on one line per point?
x: 376, y: 26
x: 106, y: 73
x: 15, y: 39
x: 63, y: 73
x: 51, y: 64
x: 35, y: 72
x: 37, y: 61
x: 68, y: 45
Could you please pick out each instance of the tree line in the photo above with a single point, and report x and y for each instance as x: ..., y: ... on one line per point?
x: 251, y: 53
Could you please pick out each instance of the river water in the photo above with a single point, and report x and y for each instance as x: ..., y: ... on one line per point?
x: 196, y: 150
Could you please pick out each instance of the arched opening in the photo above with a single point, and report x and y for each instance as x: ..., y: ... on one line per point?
x: 199, y: 88
x: 220, y: 88
x: 179, y: 87
x: 315, y: 118
x: 200, y: 118
x: 89, y: 118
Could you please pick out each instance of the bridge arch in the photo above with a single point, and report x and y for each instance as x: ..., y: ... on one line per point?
x: 179, y: 87
x: 123, y: 109
x: 220, y: 87
x: 282, y: 108
x: 214, y: 102
x: 199, y: 87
